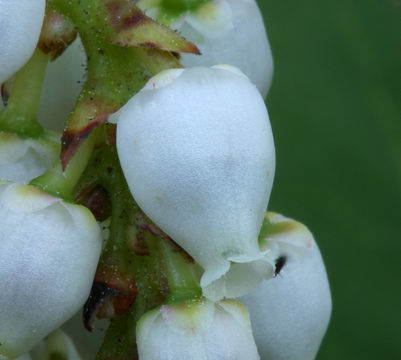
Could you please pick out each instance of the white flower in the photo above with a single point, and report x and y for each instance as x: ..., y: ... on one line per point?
x: 200, y: 330
x: 21, y: 160
x: 49, y: 251
x: 20, y: 24
x: 225, y: 31
x: 61, y: 87
x: 197, y: 151
x: 291, y: 312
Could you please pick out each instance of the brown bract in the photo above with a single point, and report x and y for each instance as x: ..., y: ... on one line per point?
x: 112, y: 294
x: 96, y: 198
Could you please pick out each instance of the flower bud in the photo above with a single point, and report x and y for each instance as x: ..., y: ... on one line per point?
x: 200, y: 330
x: 49, y: 251
x: 197, y: 151
x: 291, y: 312
x: 20, y: 25
x: 21, y: 160
x: 225, y: 31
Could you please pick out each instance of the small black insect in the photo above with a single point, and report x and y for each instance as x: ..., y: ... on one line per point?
x: 280, y: 262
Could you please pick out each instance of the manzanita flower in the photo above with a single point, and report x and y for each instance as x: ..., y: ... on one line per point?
x: 198, y: 330
x: 291, y: 312
x: 49, y: 250
x: 21, y: 160
x: 197, y: 150
x: 225, y: 31
x: 20, y: 24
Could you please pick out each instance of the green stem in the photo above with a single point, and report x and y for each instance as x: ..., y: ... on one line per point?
x: 61, y: 183
x: 19, y: 116
x: 122, y: 204
x: 120, y: 339
x: 181, y: 276
x: 114, y: 74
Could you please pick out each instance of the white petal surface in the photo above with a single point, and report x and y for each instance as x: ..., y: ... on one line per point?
x: 291, y: 312
x: 200, y: 330
x: 197, y: 150
x: 49, y: 251
x: 20, y: 24
x: 21, y: 160
x: 227, y: 31
x: 63, y: 82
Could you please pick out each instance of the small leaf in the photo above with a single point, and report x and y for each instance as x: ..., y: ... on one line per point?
x: 131, y: 27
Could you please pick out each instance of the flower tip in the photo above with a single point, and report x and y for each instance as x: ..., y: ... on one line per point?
x: 231, y: 68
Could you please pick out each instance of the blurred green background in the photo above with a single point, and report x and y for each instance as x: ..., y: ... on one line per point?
x: 335, y: 108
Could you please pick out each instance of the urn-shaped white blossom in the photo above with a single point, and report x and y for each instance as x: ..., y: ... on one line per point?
x: 198, y: 330
x: 49, y: 251
x: 20, y: 24
x: 21, y: 160
x: 197, y: 150
x: 291, y: 312
x: 225, y: 31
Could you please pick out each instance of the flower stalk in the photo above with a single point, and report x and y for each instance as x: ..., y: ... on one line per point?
x: 183, y: 281
x: 19, y: 116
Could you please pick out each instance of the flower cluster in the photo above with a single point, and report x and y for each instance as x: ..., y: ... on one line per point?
x: 151, y: 211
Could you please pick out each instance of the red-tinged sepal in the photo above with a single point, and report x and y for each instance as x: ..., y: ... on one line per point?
x: 89, y: 114
x: 131, y: 27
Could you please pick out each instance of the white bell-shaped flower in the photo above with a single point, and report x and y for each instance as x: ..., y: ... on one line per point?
x: 21, y: 160
x: 49, y: 250
x: 199, y: 330
x: 291, y: 312
x: 20, y: 24
x: 197, y: 150
x: 225, y: 31
x: 62, y: 84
